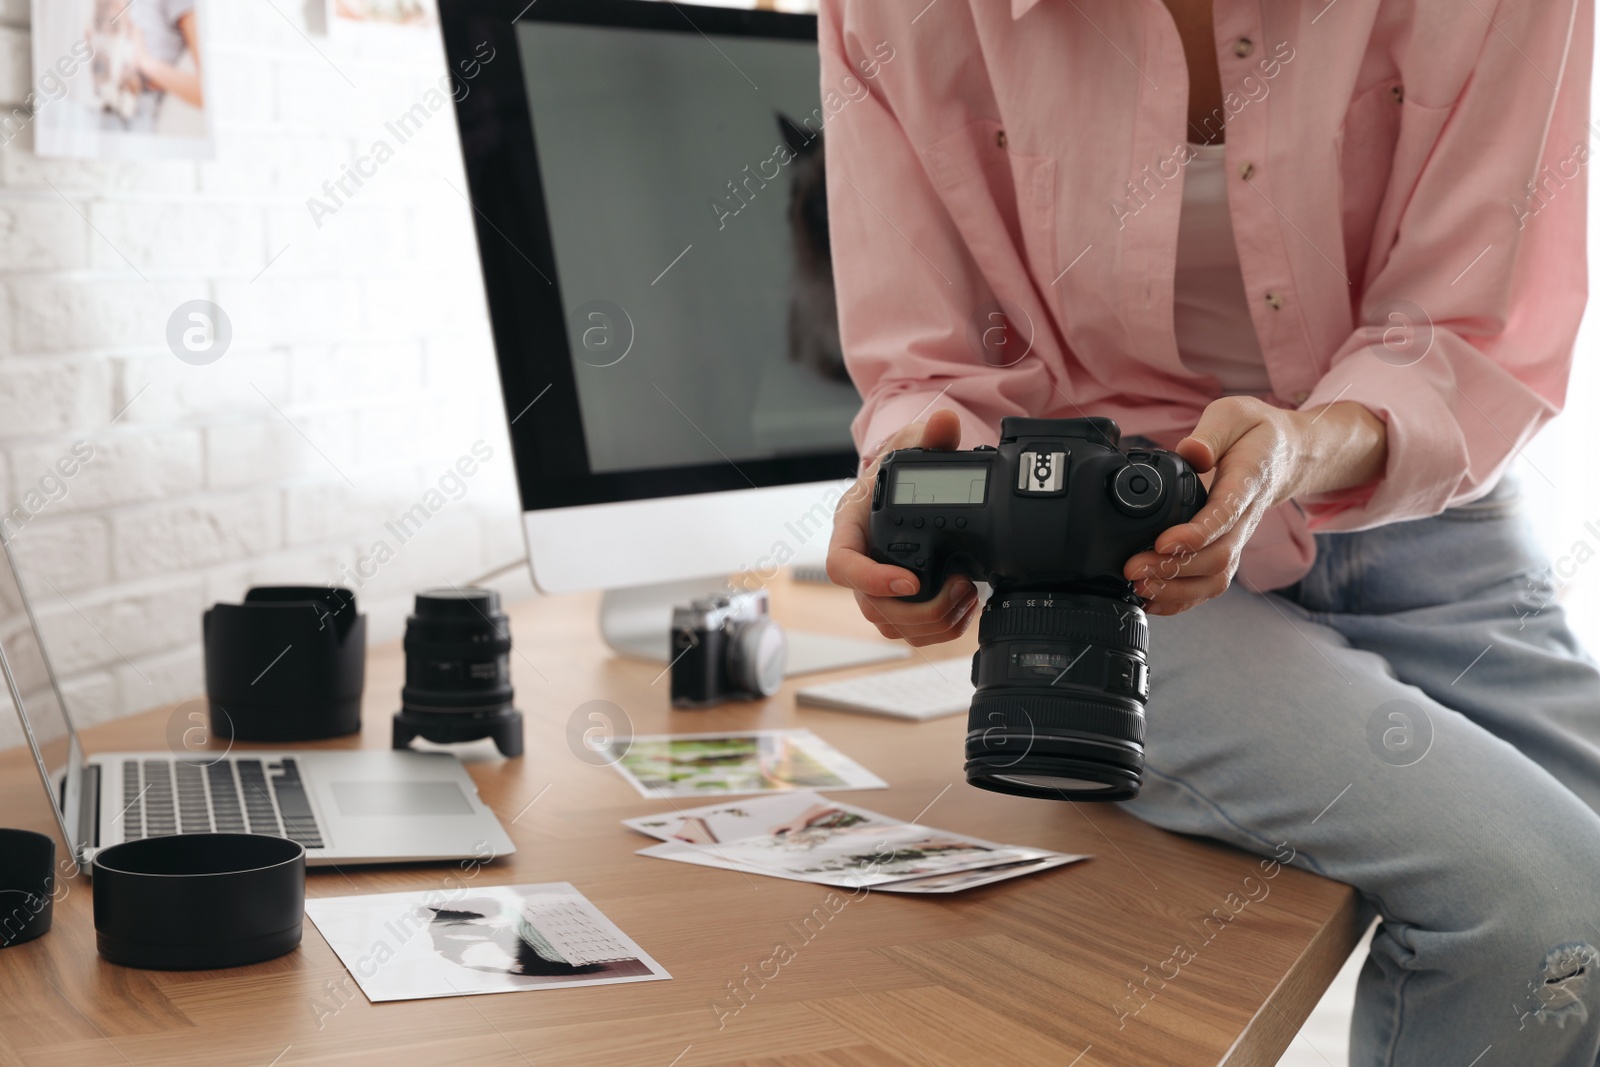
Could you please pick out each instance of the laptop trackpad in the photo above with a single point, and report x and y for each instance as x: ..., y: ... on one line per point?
x: 400, y: 798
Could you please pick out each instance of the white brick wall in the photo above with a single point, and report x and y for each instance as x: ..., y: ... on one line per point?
x: 360, y: 366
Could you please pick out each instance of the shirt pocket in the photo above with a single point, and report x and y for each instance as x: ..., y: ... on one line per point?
x: 1365, y: 144
x: 1003, y: 202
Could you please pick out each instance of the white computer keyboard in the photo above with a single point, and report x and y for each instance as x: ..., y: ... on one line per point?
x: 931, y: 691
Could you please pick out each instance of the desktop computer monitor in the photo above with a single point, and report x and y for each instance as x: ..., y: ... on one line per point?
x: 651, y: 216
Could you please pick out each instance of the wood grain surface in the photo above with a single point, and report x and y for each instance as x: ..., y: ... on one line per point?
x: 1040, y: 970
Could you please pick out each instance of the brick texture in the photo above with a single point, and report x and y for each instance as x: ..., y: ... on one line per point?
x: 330, y: 414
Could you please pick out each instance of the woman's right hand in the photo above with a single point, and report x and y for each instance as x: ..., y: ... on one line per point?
x: 877, y: 585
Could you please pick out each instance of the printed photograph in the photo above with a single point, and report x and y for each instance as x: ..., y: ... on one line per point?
x: 497, y: 939
x: 806, y: 837
x: 716, y: 823
x: 132, y: 79
x: 386, y: 12
x: 842, y: 845
x: 761, y: 761
x: 958, y: 880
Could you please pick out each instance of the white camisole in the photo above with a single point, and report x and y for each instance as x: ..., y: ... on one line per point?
x: 1211, y: 313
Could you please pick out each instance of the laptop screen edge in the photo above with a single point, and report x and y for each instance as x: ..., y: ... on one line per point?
x: 66, y: 806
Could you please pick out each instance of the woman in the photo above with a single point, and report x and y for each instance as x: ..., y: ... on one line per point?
x: 1333, y: 253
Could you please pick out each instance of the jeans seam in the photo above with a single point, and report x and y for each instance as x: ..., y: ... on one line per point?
x: 1398, y: 1015
x: 1311, y: 864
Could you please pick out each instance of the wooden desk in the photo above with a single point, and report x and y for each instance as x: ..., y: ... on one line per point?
x: 1032, y: 971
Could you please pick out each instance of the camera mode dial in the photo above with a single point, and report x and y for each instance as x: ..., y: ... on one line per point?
x: 1137, y: 489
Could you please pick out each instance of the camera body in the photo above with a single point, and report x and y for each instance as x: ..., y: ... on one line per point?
x: 1049, y: 519
x: 1057, y: 505
x: 726, y: 647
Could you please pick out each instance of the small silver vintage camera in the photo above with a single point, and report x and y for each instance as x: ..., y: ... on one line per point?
x: 726, y: 647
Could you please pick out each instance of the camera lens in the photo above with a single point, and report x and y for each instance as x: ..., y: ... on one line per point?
x: 758, y: 654
x: 457, y: 654
x: 1061, y: 680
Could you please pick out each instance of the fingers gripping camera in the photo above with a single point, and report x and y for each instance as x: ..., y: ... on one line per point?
x: 1049, y: 518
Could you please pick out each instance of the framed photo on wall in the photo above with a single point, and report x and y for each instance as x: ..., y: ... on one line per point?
x: 127, y: 79
x: 384, y: 12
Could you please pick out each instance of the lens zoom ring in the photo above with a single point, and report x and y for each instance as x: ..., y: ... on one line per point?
x: 1030, y: 715
x: 1106, y: 627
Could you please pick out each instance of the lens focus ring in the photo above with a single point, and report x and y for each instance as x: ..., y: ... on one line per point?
x: 1079, y: 618
x: 1028, y: 715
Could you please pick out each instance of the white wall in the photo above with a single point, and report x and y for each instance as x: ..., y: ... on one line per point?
x: 360, y: 367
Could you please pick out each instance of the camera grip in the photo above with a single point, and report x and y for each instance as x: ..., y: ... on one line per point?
x: 929, y: 569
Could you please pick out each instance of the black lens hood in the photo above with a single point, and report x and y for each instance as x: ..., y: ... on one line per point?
x: 199, y: 901
x: 27, y: 885
x: 288, y: 664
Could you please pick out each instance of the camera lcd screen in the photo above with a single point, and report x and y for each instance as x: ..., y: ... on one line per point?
x: 919, y: 484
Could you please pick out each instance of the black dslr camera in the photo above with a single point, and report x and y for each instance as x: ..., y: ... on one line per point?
x: 1049, y: 519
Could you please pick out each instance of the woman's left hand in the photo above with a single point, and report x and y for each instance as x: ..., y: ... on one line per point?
x: 1260, y: 456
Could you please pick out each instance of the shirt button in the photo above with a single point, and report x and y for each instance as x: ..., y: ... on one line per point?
x: 1399, y: 94
x: 1275, y: 301
x: 1247, y: 170
x: 1000, y: 138
x: 1301, y: 397
x: 1243, y: 47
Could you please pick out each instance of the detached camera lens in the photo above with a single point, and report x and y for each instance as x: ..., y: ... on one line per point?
x: 457, y: 645
x: 458, y: 672
x: 1061, y: 681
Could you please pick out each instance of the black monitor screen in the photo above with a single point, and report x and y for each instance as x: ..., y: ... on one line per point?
x: 677, y: 172
x: 652, y: 219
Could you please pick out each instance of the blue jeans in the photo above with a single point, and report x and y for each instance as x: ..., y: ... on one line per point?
x: 1416, y: 719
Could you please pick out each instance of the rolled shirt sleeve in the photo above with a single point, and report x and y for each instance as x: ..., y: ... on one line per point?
x: 907, y: 280
x: 1468, y: 325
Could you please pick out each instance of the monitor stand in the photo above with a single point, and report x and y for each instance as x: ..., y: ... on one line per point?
x: 637, y: 622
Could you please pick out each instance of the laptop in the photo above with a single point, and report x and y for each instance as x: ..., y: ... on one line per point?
x: 344, y: 806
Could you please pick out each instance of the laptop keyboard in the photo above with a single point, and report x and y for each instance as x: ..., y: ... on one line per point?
x: 161, y: 797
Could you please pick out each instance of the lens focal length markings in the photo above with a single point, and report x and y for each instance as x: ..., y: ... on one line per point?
x: 1059, y: 710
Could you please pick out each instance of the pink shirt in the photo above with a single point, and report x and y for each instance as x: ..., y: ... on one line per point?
x: 1407, y: 190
